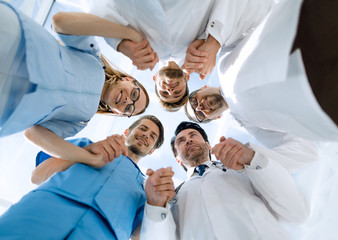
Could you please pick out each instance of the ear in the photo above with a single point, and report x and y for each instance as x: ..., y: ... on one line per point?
x: 125, y: 133
x: 187, y: 76
x: 206, y: 86
x: 178, y: 160
x: 129, y: 79
x: 151, y: 152
x: 154, y: 77
x: 208, y: 145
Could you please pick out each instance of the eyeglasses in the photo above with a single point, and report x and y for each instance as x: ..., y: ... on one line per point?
x: 194, y: 104
x: 134, y: 96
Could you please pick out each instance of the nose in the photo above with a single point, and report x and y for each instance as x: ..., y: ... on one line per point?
x: 127, y: 101
x: 145, y: 134
x: 170, y: 90
x: 188, y: 140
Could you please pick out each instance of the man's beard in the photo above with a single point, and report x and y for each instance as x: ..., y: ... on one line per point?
x: 196, y: 157
x: 171, y: 73
x: 136, y: 150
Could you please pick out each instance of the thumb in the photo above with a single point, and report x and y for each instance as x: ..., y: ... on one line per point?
x: 222, y: 139
x: 124, y: 147
x: 149, y: 172
x: 169, y: 171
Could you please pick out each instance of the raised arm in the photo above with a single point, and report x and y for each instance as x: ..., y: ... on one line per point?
x: 269, y: 174
x: 60, y: 148
x: 274, y: 184
x: 291, y: 152
x: 76, y: 23
x: 158, y: 222
x: 110, y: 148
x: 229, y: 22
x: 48, y: 167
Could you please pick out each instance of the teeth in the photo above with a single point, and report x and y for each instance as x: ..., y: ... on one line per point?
x: 118, y: 98
x: 142, y: 140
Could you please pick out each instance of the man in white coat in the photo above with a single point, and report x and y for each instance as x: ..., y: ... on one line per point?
x: 264, y: 86
x: 174, y: 28
x: 242, y: 199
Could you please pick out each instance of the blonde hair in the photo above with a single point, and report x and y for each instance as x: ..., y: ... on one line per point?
x: 111, y: 77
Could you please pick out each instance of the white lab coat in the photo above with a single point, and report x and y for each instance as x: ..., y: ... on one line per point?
x: 266, y: 88
x: 171, y: 26
x: 236, y: 205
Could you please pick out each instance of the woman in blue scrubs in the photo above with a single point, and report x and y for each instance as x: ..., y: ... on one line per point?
x: 54, y: 89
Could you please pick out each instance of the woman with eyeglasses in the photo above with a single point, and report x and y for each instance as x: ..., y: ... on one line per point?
x: 54, y: 89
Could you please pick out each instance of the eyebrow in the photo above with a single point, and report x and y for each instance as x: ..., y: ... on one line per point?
x: 146, y: 127
x: 178, y: 139
x: 189, y: 133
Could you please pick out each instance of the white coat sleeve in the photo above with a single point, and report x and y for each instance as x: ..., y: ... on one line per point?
x: 108, y: 10
x: 157, y: 223
x: 232, y: 20
x: 290, y: 152
x: 277, y: 188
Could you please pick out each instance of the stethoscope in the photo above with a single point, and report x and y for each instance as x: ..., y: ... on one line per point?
x: 219, y: 165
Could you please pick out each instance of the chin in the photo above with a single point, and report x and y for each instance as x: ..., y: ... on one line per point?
x: 195, y: 155
x: 136, y: 150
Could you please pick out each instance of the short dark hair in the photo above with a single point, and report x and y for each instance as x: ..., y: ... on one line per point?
x: 158, y: 123
x: 187, y: 125
x: 173, y: 73
x: 174, y: 107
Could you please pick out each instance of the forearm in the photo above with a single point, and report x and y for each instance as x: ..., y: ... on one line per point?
x: 277, y: 187
x: 87, y: 24
x: 47, y: 168
x: 229, y: 20
x: 290, y: 152
x: 58, y: 147
x: 213, y: 42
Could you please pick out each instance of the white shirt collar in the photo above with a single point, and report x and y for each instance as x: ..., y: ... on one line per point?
x: 190, y: 171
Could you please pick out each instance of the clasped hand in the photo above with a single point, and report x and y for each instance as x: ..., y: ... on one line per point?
x: 160, y: 186
x: 107, y: 150
x: 201, y: 56
x: 232, y: 153
x: 141, y: 53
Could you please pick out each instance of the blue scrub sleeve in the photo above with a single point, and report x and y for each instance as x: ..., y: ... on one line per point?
x: 81, y: 142
x: 63, y: 129
x: 82, y: 43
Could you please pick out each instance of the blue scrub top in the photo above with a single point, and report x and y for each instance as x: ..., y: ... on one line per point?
x: 115, y: 191
x: 69, y: 81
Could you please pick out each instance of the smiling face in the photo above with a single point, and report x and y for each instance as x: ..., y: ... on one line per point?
x: 125, y: 97
x: 206, y: 104
x: 141, y: 140
x: 191, y: 148
x: 171, y: 90
x: 171, y: 83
